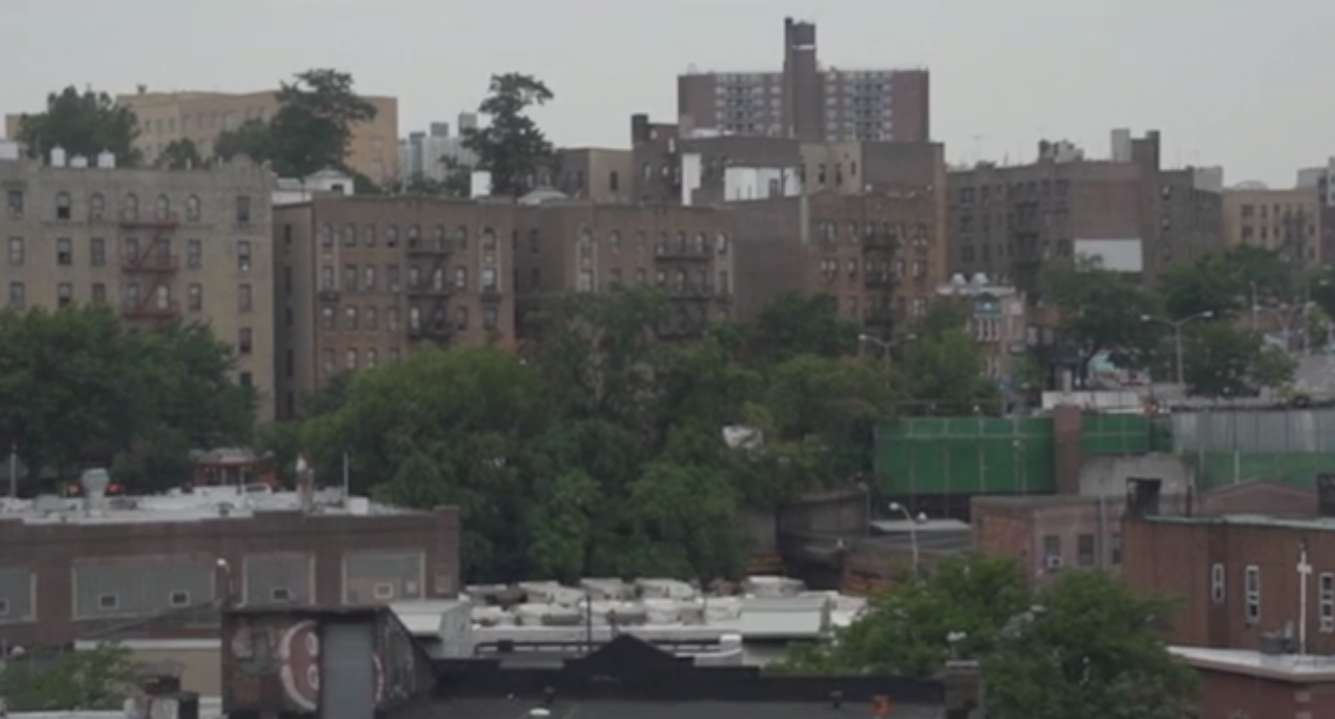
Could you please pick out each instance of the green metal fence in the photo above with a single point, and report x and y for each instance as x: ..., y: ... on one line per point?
x: 1218, y: 469
x: 984, y: 455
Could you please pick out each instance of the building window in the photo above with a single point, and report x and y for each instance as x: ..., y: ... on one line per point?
x: 461, y: 278
x: 99, y: 293
x: 368, y: 235
x: 243, y: 340
x: 327, y: 236
x: 1217, y: 586
x: 414, y: 236
x: 64, y: 252
x: 350, y: 318
x: 349, y: 235
x: 461, y: 237
x: 192, y: 208
x: 1252, y: 594
x: 327, y: 362
x: 130, y: 207
x: 14, y: 202
x: 488, y: 280
x: 97, y: 206
x: 392, y: 236
x: 16, y: 251
x: 614, y: 242
x: 372, y: 358
x: 1084, y: 555
x: 64, y: 294
x: 392, y: 278
x: 392, y: 319
x: 195, y: 297
x: 372, y: 319
x: 164, y: 208
x: 244, y: 298
x: 327, y: 317
x: 1326, y: 597
x: 613, y: 181
x: 97, y: 252
x: 368, y: 278
x: 108, y: 602
x: 17, y: 295
x: 461, y: 318
x: 63, y: 205
x: 585, y: 281
x: 350, y: 359
x: 489, y: 317
x: 243, y: 256
x: 194, y: 254
x: 242, y: 210
x: 280, y: 595
x: 350, y: 278
x: 1052, y: 552
x: 179, y: 599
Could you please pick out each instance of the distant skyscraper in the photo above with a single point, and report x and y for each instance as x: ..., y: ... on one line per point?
x: 804, y: 102
x: 430, y: 155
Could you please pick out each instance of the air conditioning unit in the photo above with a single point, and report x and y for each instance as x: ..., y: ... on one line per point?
x: 1053, y: 562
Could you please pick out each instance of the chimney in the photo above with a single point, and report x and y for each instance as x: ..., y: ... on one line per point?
x: 94, y: 482
x: 1067, y: 453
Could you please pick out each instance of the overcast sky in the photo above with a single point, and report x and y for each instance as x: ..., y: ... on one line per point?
x: 1242, y: 84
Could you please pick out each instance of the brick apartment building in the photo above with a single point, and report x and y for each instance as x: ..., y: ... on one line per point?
x: 1237, y: 577
x: 1290, y: 221
x: 880, y: 255
x: 596, y: 174
x: 586, y: 247
x: 1006, y: 221
x: 362, y: 280
x: 807, y: 102
x: 159, y: 245
x: 162, y: 566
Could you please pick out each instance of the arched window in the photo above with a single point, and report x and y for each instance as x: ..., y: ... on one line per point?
x: 700, y: 243
x: 414, y: 235
x: 130, y: 207
x: 63, y: 204
x: 326, y: 235
x: 368, y: 235
x: 681, y: 242
x: 461, y: 278
x: 164, y: 208
x: 391, y: 236
x: 461, y: 237
x: 614, y: 241
x: 349, y: 235
x: 97, y: 206
x: 440, y: 237
x: 192, y: 208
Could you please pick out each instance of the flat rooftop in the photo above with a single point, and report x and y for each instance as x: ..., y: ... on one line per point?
x: 204, y: 503
x: 1319, y: 524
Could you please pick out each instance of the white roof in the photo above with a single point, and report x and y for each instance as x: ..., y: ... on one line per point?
x: 176, y: 506
x: 1286, y: 667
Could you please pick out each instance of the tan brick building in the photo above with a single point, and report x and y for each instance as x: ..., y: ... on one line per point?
x: 201, y: 116
x: 193, y: 246
x: 585, y: 247
x: 362, y: 280
x: 1286, y: 220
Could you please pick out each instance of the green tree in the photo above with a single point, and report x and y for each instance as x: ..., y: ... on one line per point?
x: 511, y: 147
x: 1224, y: 360
x: 1226, y: 283
x: 908, y: 631
x: 1089, y: 647
x: 77, y: 388
x: 796, y: 324
x: 941, y: 367
x: 83, y: 124
x: 94, y: 679
x: 1101, y: 311
x: 180, y: 155
x: 252, y: 138
x: 314, y: 122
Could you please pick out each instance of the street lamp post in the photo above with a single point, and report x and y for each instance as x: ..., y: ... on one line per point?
x: 913, y: 530
x: 1177, y: 326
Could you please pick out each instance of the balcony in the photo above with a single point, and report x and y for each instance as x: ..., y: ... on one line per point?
x: 692, y: 254
x: 427, y: 289
x: 440, y: 331
x: 429, y: 249
x: 152, y: 310
x: 151, y: 263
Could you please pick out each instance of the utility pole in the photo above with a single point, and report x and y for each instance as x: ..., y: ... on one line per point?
x: 1177, y: 326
